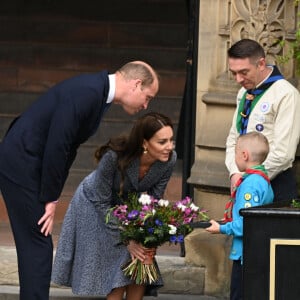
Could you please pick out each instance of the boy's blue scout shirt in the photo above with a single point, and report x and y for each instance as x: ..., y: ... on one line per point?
x: 253, y: 191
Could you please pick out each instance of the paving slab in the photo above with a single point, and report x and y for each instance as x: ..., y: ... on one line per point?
x: 11, y: 293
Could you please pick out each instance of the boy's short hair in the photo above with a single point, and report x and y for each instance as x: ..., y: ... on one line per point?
x: 257, y: 145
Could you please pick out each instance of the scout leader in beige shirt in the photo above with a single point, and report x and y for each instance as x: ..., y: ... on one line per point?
x: 276, y: 115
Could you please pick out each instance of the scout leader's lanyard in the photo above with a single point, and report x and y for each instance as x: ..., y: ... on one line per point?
x: 251, y: 97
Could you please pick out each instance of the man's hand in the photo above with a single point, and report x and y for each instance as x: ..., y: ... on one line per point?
x: 214, y: 228
x: 48, y: 218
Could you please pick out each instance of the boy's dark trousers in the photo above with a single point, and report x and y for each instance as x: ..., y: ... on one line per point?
x: 236, y: 286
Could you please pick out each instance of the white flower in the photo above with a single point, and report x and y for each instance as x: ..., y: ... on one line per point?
x: 145, y: 199
x: 172, y: 230
x: 163, y: 202
x: 194, y: 207
x: 181, y: 207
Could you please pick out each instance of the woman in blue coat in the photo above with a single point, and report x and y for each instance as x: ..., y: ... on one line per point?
x: 89, y: 254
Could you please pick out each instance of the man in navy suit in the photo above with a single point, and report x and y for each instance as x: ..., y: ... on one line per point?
x: 39, y: 149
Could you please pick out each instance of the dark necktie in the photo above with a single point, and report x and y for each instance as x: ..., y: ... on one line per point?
x: 246, y: 112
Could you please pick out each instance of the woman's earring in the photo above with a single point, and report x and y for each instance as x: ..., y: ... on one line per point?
x: 145, y: 150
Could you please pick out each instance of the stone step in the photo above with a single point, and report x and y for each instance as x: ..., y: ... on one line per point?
x: 179, y: 277
x: 39, y: 30
x: 43, y: 44
x: 17, y: 77
x: 167, y: 11
x: 13, y: 103
x: 83, y: 57
x: 114, y: 122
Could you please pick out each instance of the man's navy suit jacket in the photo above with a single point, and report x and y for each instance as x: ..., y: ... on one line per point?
x: 41, y: 144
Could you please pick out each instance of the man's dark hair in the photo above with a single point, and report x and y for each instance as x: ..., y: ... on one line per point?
x: 246, y: 48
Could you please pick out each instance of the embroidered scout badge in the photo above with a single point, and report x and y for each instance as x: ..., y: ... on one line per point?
x: 264, y: 107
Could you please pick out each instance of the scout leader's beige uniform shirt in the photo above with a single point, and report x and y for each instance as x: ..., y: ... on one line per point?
x: 277, y: 116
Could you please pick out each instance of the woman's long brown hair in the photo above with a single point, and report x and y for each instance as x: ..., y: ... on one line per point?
x: 129, y: 147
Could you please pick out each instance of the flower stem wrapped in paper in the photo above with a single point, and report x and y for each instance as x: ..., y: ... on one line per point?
x: 153, y: 222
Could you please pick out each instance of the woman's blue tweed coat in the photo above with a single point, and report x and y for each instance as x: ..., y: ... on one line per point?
x: 89, y: 256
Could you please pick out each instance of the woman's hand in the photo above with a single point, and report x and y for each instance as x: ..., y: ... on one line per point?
x: 136, y: 250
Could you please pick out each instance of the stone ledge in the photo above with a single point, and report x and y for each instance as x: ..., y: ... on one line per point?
x: 180, y: 277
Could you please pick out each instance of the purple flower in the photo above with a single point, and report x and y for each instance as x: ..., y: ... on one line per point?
x: 186, y: 200
x: 180, y: 238
x: 173, y: 239
x: 146, y: 208
x: 142, y: 216
x: 187, y: 220
x: 151, y: 230
x: 133, y: 215
x: 187, y: 211
x: 158, y: 222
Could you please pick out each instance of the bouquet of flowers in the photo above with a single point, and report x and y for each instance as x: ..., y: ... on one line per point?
x: 152, y: 223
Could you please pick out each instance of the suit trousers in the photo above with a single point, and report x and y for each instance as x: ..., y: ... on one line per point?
x: 285, y: 186
x: 34, y: 250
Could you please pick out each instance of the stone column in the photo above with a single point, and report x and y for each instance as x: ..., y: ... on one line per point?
x: 222, y: 23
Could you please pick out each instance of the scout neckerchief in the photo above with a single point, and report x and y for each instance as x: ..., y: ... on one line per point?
x: 251, y: 97
x: 260, y: 170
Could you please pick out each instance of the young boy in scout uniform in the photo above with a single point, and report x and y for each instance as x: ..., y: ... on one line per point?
x: 253, y: 189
